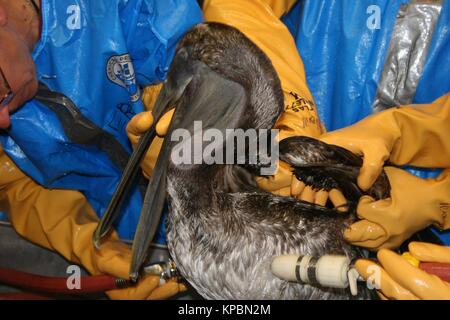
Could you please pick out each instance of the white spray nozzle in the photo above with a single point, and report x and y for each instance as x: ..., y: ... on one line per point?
x: 331, y: 271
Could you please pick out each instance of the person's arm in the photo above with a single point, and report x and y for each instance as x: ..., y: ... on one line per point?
x: 19, y: 27
x: 261, y: 25
x: 416, y: 135
x: 63, y: 221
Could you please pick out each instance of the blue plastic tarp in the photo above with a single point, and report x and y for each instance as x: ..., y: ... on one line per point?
x: 344, y: 58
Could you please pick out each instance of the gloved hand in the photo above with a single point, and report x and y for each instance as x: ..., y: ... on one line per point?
x: 415, y: 135
x: 400, y: 280
x: 63, y: 221
x: 284, y: 183
x: 414, y: 204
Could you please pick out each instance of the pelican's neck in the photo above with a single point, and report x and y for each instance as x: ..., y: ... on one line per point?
x: 255, y: 73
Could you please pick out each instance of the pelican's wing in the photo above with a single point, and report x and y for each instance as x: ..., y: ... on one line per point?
x: 325, y: 166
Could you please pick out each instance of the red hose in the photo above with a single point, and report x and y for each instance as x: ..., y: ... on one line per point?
x: 58, y: 285
x: 22, y: 296
x: 442, y: 270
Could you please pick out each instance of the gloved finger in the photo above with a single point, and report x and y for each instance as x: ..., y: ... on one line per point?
x: 297, y: 186
x: 380, y: 279
x: 283, y: 177
x: 140, y: 291
x: 373, y: 210
x: 284, y: 192
x: 265, y: 183
x: 429, y: 252
x: 321, y: 198
x: 373, y: 162
x: 271, y: 184
x: 364, y: 233
x: 163, y: 124
x: 365, y: 201
x: 338, y: 200
x: 114, y: 258
x: 278, y: 181
x: 167, y: 290
x: 418, y: 282
x: 368, y: 174
x: 150, y: 95
x: 147, y: 169
x: 140, y: 123
x: 308, y: 194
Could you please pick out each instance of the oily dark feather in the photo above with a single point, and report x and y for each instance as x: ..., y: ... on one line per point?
x: 325, y: 166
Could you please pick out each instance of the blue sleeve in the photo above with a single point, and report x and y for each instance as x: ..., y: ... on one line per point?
x: 153, y: 29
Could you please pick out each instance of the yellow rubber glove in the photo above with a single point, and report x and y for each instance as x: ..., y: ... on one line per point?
x: 398, y: 279
x: 261, y: 25
x: 63, y: 221
x: 414, y: 205
x: 280, y: 7
x: 415, y: 135
x: 284, y: 183
x: 259, y: 21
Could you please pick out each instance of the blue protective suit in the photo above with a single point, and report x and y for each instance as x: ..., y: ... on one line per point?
x: 344, y: 58
x: 98, y: 53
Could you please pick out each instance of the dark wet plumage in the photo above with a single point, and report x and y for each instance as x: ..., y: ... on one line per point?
x: 222, y: 231
x: 223, y: 242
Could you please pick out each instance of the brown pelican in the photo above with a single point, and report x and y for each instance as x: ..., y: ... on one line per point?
x: 222, y: 231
